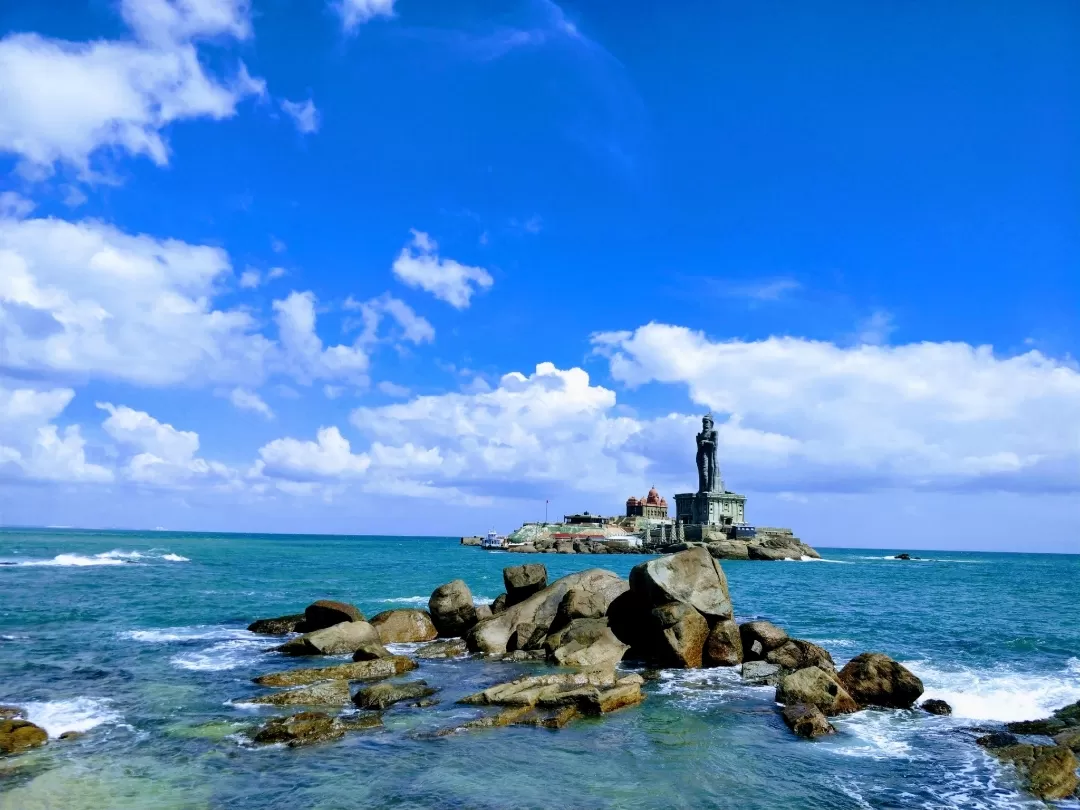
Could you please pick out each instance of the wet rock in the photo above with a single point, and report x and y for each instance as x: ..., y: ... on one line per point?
x: 454, y: 648
x: 682, y: 634
x: 997, y: 739
x: 772, y: 554
x: 528, y: 690
x: 451, y: 608
x: 807, y: 721
x: 19, y: 735
x: 723, y: 647
x: 873, y: 679
x: 760, y: 638
x: 904, y: 556
x: 522, y: 656
x: 761, y: 673
x: 382, y: 695
x: 369, y: 651
x: 11, y: 713
x: 426, y: 703
x: 358, y: 671
x: 308, y: 728
x: 522, y: 581
x: 325, y: 693
x: 404, y: 626
x: 796, y: 654
x: 499, y: 604
x: 1049, y: 770
x: 68, y: 736
x: 587, y: 643
x: 1047, y: 727
x: 1070, y: 738
x: 729, y: 550
x: 692, y: 577
x: 280, y: 626
x: 326, y: 613
x: 935, y: 706
x: 815, y: 687
x: 340, y: 639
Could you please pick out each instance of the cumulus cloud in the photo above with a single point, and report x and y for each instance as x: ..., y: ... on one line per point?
x: 356, y: 12
x: 303, y: 114
x: 246, y: 400
x: 392, y: 389
x: 419, y: 265
x: 330, y: 456
x: 250, y: 279
x: 414, y: 328
x: 65, y: 101
x: 14, y: 206
x: 304, y: 353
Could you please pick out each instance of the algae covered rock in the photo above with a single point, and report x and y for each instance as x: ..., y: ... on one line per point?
x: 357, y: 671
x: 19, y: 735
x: 403, y: 626
x: 815, y: 687
x: 1048, y: 770
x: 382, y: 695
x: 308, y: 728
x: 874, y: 679
x: 807, y: 721
x: 451, y: 609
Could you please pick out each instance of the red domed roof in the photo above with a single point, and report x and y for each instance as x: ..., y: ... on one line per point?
x: 631, y: 501
x: 653, y: 498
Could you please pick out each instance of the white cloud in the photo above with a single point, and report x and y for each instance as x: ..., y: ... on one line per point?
x: 392, y: 389
x: 875, y: 329
x: 769, y: 290
x: 250, y: 401
x: 419, y: 265
x: 304, y: 353
x: 250, y: 279
x: 332, y: 391
x: 330, y: 456
x: 303, y: 114
x: 415, y: 328
x: 277, y: 245
x: 14, y: 206
x: 275, y: 272
x: 65, y: 101
x: 355, y: 12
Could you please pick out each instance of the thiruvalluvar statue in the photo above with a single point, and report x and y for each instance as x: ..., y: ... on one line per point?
x: 707, y: 464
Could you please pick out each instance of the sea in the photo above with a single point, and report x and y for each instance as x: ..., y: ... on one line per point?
x: 138, y: 639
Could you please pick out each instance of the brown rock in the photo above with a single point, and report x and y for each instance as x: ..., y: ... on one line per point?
x: 281, y: 626
x: 325, y: 693
x: 528, y: 690
x: 1050, y: 770
x: 692, y: 577
x: 815, y: 687
x: 308, y: 728
x: 404, y: 626
x: 683, y: 632
x: 935, y: 706
x: 11, y: 713
x: 522, y: 581
x: 873, y: 679
x: 587, y: 643
x: 580, y: 604
x: 796, y: 654
x: 760, y: 638
x: 327, y: 613
x: 451, y: 609
x: 382, y: 695
x: 499, y: 604
x: 723, y: 647
x: 340, y: 639
x: 19, y: 735
x: 454, y: 648
x: 1070, y: 738
x: 359, y: 671
x: 807, y: 721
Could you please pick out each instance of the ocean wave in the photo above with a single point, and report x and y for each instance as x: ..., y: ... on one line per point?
x: 200, y: 632
x: 1000, y: 693
x: 701, y: 689
x: 223, y: 656
x: 114, y: 557
x: 74, y: 714
x: 805, y: 558
x: 423, y: 600
x: 873, y: 735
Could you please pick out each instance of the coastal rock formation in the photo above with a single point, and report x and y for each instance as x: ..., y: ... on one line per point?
x: 728, y: 550
x: 324, y: 693
x: 451, y: 608
x: 807, y: 721
x: 772, y: 554
x: 682, y: 635
x: 590, y: 693
x: 498, y: 605
x: 935, y: 706
x: 403, y: 626
x: 723, y: 647
x: 815, y: 687
x: 522, y: 581
x: 382, y: 695
x: 760, y: 638
x: 454, y: 648
x: 586, y: 643
x: 1070, y: 738
x: 358, y: 671
x: 580, y: 604
x: 326, y: 613
x: 1064, y: 718
x: 759, y: 673
x: 19, y: 735
x: 873, y: 679
x: 1048, y: 770
x: 280, y: 626
x: 692, y: 577
x: 308, y: 728
x: 527, y: 637
x: 340, y: 639
x: 796, y: 654
x: 11, y: 713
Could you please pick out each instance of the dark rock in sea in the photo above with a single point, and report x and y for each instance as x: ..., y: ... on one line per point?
x: 451, y: 608
x: 651, y: 675
x: 281, y: 626
x: 1049, y: 770
x: 340, y: 639
x: 997, y: 739
x: 692, y: 577
x: 904, y: 556
x: 358, y: 671
x: 454, y: 648
x: 935, y: 706
x: 1069, y: 714
x: 760, y: 673
x: 522, y: 656
x: 773, y: 554
x: 522, y: 581
x: 796, y: 654
x: 404, y: 626
x: 19, y: 735
x: 1070, y: 738
x: 382, y: 695
x: 326, y: 613
x: 723, y: 647
x: 816, y: 687
x: 425, y: 703
x: 308, y: 728
x: 325, y: 693
x: 807, y: 721
x: 11, y: 713
x: 680, y: 641
x: 586, y: 643
x: 873, y: 679
x: 1047, y: 727
x: 68, y: 736
x: 498, y: 605
x: 760, y: 638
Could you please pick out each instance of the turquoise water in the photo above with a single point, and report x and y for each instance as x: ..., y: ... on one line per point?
x: 139, y: 639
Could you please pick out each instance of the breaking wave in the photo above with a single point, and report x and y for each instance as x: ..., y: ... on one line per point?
x: 75, y: 714
x: 114, y: 557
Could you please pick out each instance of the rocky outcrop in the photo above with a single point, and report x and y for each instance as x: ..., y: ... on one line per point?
x: 11, y: 713
x: 340, y: 639
x: 522, y: 581
x: 324, y: 693
x: 580, y: 604
x: 1049, y: 771
x: 935, y: 706
x: 772, y: 554
x: 723, y: 647
x: 807, y: 721
x: 382, y: 695
x: 403, y: 626
x: 1064, y: 718
x: 498, y: 605
x: 590, y: 693
x: 20, y: 735
x: 759, y: 673
x: 587, y: 643
x: 729, y: 550
x: 454, y: 648
x: 281, y: 626
x: 682, y: 634
x: 795, y: 654
x: 327, y: 613
x: 1070, y: 738
x: 451, y: 609
x: 759, y: 638
x: 815, y: 687
x: 873, y: 679
x: 691, y: 577
x: 527, y: 637
x: 357, y: 671
x: 308, y: 728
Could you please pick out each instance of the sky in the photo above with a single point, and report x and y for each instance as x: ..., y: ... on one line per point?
x: 405, y: 266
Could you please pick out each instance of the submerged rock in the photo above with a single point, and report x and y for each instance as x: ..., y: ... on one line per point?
x: 19, y: 735
x: 522, y: 581
x: 807, y: 721
x: 761, y: 673
x: 358, y: 671
x: 451, y: 608
x: 454, y: 648
x: 997, y: 739
x: 325, y: 693
x: 815, y: 687
x: 280, y: 626
x: 326, y: 613
x: 308, y: 728
x: 340, y: 639
x: 11, y: 713
x: 1049, y: 770
x: 874, y: 679
x: 723, y: 647
x: 935, y: 706
x: 692, y: 577
x: 382, y: 695
x: 404, y: 626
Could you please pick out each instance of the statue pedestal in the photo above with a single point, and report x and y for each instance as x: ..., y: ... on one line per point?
x: 710, y: 508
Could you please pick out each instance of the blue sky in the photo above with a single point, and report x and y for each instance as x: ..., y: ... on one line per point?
x: 396, y: 265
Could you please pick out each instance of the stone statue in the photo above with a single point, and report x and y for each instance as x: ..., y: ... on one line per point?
x: 707, y: 465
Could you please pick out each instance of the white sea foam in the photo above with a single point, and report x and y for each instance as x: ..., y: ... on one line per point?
x: 75, y: 714
x: 407, y: 600
x: 873, y: 735
x: 174, y: 558
x: 202, y: 632
x: 1000, y: 693
x: 114, y: 557
x: 805, y: 558
x: 223, y: 656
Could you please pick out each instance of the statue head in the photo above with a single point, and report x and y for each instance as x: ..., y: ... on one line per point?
x: 707, y: 422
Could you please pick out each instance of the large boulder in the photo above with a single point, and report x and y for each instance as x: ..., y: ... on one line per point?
x: 729, y: 550
x: 358, y: 671
x: 327, y: 613
x: 682, y: 635
x: 815, y: 687
x: 492, y: 635
x: 629, y: 619
x: 19, y: 735
x: 586, y: 643
x: 280, y: 626
x: 405, y: 625
x: 759, y: 638
x: 341, y: 639
x: 580, y: 604
x: 796, y: 654
x: 498, y: 604
x: 452, y: 610
x: 873, y: 679
x: 308, y: 728
x: 522, y: 581
x: 692, y: 577
x: 324, y: 693
x: 807, y: 721
x: 382, y: 695
x: 723, y: 647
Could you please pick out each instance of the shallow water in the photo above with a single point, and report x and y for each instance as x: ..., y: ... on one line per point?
x: 139, y: 640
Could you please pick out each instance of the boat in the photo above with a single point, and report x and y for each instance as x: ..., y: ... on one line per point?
x: 493, y: 540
